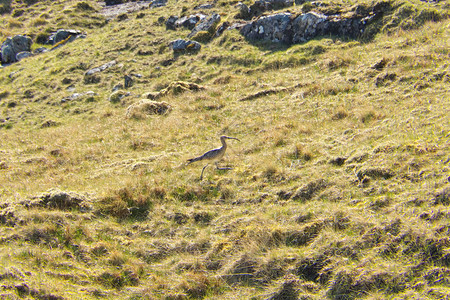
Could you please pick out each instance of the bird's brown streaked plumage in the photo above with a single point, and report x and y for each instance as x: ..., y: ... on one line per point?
x: 214, y: 155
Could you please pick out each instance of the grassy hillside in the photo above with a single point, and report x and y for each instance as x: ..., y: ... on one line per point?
x: 340, y: 184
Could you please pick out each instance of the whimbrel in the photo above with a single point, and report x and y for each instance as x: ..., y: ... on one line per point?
x: 214, y: 155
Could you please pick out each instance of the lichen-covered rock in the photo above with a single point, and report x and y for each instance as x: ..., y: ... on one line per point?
x: 180, y: 46
x: 273, y: 28
x: 62, y: 34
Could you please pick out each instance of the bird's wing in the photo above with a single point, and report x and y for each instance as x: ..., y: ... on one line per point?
x: 211, y: 154
x: 208, y: 155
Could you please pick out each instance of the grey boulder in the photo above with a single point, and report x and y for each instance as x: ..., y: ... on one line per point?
x: 12, y: 46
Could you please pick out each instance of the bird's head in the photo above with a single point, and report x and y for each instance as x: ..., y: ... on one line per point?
x: 223, y: 137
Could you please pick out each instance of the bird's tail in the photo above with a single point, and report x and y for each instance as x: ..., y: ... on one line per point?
x: 190, y: 161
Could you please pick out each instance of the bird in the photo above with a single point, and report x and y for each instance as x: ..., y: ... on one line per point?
x: 214, y: 155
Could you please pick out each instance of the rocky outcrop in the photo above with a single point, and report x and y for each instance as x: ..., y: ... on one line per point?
x: 19, y: 46
x: 292, y: 29
x: 12, y: 46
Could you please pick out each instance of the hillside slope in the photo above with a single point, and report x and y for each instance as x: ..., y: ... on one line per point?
x: 340, y: 186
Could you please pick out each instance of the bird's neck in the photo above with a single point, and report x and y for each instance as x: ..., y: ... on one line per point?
x: 224, y: 144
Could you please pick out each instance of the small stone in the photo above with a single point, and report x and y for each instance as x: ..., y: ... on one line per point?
x: 22, y: 55
x: 179, y: 46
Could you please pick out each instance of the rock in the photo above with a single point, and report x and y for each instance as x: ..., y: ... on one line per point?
x: 189, y: 22
x: 224, y: 26
x: 128, y: 81
x: 273, y: 28
x: 63, y: 34
x: 40, y: 50
x: 23, y: 54
x: 147, y: 107
x: 307, y: 26
x: 170, y: 23
x: 12, y: 46
x: 91, y: 76
x: 157, y: 3
x: 244, y: 11
x: 208, y: 25
x: 101, y: 68
x: 180, y: 46
x: 76, y: 96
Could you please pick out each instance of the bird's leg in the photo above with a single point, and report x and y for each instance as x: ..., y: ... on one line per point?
x: 201, y: 176
x: 224, y: 168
